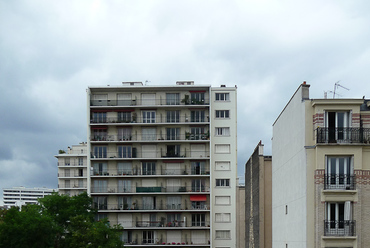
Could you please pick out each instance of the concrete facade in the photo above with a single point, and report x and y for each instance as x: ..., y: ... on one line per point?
x: 18, y: 196
x: 258, y: 200
x: 163, y: 162
x: 320, y: 172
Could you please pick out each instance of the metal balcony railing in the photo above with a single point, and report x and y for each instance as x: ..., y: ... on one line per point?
x: 343, y: 135
x: 149, y: 138
x: 153, y: 189
x: 145, y: 102
x: 340, y: 182
x: 163, y: 206
x: 158, y: 119
x: 146, y: 172
x: 340, y: 228
x: 150, y: 154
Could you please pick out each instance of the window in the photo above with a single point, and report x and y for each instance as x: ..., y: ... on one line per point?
x: 222, y: 200
x: 223, y: 217
x: 148, y: 237
x: 148, y: 116
x: 124, y: 186
x: 148, y: 134
x: 339, y: 173
x: 222, y: 131
x: 198, y: 185
x: 99, y: 100
x: 222, y: 97
x: 198, y: 168
x: 198, y: 220
x: 148, y: 168
x: 124, y: 117
x: 126, y: 237
x: 99, y: 217
x: 67, y: 172
x: 148, y: 99
x: 222, y: 165
x: 80, y: 183
x: 124, y: 151
x: 149, y: 202
x: 80, y: 172
x: 173, y: 151
x: 222, y: 114
x: 80, y: 161
x: 222, y: 182
x: 100, y: 117
x: 197, y: 133
x: 173, y: 202
x: 124, y: 168
x: 67, y: 184
x: 173, y: 133
x: 222, y: 234
x: 338, y: 219
x: 124, y: 99
x: 100, y: 202
x: 100, y: 134
x: 197, y: 98
x: 100, y: 169
x: 337, y: 124
x: 197, y: 116
x: 100, y: 186
x: 125, y: 202
x: 219, y: 148
x: 173, y: 99
x: 100, y: 152
x: 124, y: 134
x: 173, y: 116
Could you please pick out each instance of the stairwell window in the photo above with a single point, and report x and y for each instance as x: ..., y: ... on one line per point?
x: 222, y: 114
x: 222, y: 97
x: 222, y: 234
x: 222, y: 182
x: 222, y: 131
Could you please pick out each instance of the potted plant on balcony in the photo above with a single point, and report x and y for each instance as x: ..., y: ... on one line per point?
x: 185, y: 100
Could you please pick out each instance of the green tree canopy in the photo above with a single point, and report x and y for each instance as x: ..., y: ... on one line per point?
x: 59, y: 221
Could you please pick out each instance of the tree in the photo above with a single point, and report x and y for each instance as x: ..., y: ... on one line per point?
x: 59, y: 221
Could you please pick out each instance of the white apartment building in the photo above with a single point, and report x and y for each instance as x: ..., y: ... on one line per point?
x: 18, y: 196
x: 72, y: 170
x: 163, y: 162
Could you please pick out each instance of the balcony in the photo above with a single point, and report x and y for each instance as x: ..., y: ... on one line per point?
x: 151, y: 154
x: 136, y: 206
x: 149, y: 138
x: 140, y: 172
x: 340, y: 228
x: 159, y: 119
x: 346, y: 135
x: 194, y: 242
x: 340, y: 182
x: 153, y: 189
x: 147, y: 102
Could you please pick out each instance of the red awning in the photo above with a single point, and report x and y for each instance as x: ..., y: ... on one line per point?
x: 197, y: 91
x: 198, y: 198
x: 98, y: 127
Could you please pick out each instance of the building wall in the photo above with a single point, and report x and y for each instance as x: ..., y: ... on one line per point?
x: 289, y: 195
x: 241, y: 221
x: 18, y: 196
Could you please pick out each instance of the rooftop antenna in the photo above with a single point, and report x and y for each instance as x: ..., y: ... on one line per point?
x: 147, y: 81
x: 336, y: 85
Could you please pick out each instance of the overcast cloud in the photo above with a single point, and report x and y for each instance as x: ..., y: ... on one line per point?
x: 51, y: 51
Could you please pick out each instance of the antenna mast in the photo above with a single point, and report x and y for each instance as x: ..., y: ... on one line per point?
x: 336, y: 85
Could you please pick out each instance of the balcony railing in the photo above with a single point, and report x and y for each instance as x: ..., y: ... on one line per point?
x: 340, y: 182
x: 158, y: 242
x: 153, y: 189
x: 72, y: 164
x: 141, y: 172
x: 340, y: 228
x: 148, y: 138
x: 145, y: 102
x: 343, y: 135
x: 157, y: 119
x: 151, y: 154
x: 163, y: 206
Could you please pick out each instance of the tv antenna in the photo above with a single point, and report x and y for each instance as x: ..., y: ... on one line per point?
x: 336, y: 85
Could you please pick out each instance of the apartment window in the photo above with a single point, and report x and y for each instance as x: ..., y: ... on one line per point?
x: 197, y: 116
x: 67, y: 161
x: 149, y: 134
x: 100, y: 151
x: 124, y: 134
x: 126, y: 237
x: 198, y: 220
x: 148, y: 237
x: 222, y: 131
x: 197, y: 98
x: 124, y: 99
x: 99, y: 117
x: 148, y: 116
x: 124, y: 117
x: 124, y: 168
x: 222, y: 165
x: 173, y: 133
x: 67, y: 172
x: 222, y: 97
x: 80, y: 172
x: 197, y: 133
x: 148, y: 168
x: 339, y: 173
x: 198, y: 185
x: 100, y: 169
x: 173, y: 116
x: 172, y: 98
x: 125, y: 202
x: 148, y: 98
x: 99, y: 217
x: 100, y: 202
x: 80, y: 183
x: 223, y: 217
x: 124, y: 151
x: 339, y: 219
x: 222, y: 182
x: 67, y: 184
x: 100, y: 134
x: 124, y: 186
x: 173, y: 151
x: 222, y: 148
x: 222, y: 234
x: 99, y: 99
x: 222, y: 200
x: 80, y: 161
x: 198, y: 168
x: 173, y: 202
x: 337, y: 124
x: 100, y: 186
x: 222, y: 114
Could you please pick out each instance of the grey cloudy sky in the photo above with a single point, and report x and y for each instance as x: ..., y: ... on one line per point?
x: 51, y: 51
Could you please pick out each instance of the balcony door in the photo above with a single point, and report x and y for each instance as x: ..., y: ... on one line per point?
x: 337, y: 124
x: 339, y: 171
x: 338, y: 216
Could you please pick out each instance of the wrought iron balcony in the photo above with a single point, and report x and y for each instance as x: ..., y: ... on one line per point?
x: 340, y: 182
x: 340, y: 228
x: 343, y: 135
x: 148, y: 102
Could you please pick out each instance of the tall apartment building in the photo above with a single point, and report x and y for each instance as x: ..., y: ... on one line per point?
x: 258, y: 200
x: 163, y: 162
x: 321, y: 190
x: 18, y: 196
x: 72, y: 170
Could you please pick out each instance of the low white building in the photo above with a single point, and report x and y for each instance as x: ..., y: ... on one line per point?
x: 18, y: 196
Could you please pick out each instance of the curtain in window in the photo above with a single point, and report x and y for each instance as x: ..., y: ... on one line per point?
x: 124, y: 186
x: 173, y: 202
x: 124, y: 168
x: 148, y: 134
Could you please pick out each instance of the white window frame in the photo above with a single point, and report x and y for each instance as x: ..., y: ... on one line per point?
x: 222, y: 165
x: 222, y: 131
x: 223, y: 234
x: 222, y: 114
x: 222, y: 217
x: 224, y: 182
x: 224, y: 97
